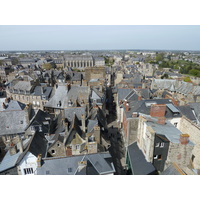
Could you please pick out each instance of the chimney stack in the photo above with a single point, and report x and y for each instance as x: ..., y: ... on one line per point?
x: 127, y: 107
x: 184, y: 139
x: 139, y: 96
x: 39, y: 160
x: 68, y: 87
x: 161, y: 120
x: 83, y: 122
x: 21, y: 149
x: 82, y: 165
x: 135, y: 114
x: 158, y: 110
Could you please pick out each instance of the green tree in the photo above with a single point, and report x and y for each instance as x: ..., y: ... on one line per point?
x: 1, y: 62
x: 15, y: 61
x: 187, y: 79
x: 159, y: 57
x: 47, y: 66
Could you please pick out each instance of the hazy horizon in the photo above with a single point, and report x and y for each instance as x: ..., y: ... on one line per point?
x: 99, y: 37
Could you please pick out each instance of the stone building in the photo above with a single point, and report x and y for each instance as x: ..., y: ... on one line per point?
x: 163, y: 144
x: 79, y: 61
x: 95, y: 73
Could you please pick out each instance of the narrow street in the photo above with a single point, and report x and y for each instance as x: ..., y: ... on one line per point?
x: 114, y: 136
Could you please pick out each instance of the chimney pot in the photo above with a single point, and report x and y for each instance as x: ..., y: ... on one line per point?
x: 184, y: 139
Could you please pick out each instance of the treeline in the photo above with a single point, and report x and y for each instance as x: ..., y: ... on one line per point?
x: 184, y: 66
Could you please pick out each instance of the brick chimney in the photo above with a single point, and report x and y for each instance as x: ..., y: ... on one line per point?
x: 184, y: 138
x: 158, y: 110
x: 161, y: 120
x: 68, y: 87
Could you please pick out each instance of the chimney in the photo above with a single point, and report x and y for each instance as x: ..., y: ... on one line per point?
x: 139, y: 96
x: 184, y: 139
x: 161, y: 120
x: 39, y: 160
x: 82, y: 165
x: 135, y: 114
x: 83, y: 122
x: 12, y: 149
x: 20, y: 144
x: 127, y: 107
x: 4, y: 105
x: 69, y: 151
x: 158, y: 110
x: 68, y: 87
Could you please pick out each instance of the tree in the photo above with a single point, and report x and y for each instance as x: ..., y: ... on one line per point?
x: 159, y: 57
x: 15, y: 61
x: 47, y: 66
x: 165, y: 76
x: 187, y: 79
x: 1, y: 62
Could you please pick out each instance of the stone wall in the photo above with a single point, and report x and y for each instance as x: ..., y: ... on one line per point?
x: 95, y: 73
x: 186, y: 126
x: 180, y: 154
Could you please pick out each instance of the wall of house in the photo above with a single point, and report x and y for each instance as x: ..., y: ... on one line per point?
x: 57, y: 150
x: 145, y: 139
x: 186, y: 126
x: 161, y: 147
x: 29, y: 161
x: 179, y: 153
x: 132, y: 130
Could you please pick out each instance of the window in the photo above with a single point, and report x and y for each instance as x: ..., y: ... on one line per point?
x: 32, y: 128
x: 58, y: 144
x: 47, y: 172
x: 21, y: 122
x: 157, y: 144
x: 159, y: 157
x: 175, y: 124
x: 155, y: 157
x: 162, y: 144
x: 53, y: 151
x: 40, y: 128
x: 77, y: 147
x: 28, y: 171
x: 69, y: 170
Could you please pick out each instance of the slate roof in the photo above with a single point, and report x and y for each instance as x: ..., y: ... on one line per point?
x: 23, y: 85
x: 139, y: 165
x: 196, y: 108
x: 187, y: 111
x: 79, y: 111
x: 96, y: 164
x: 173, y: 169
x: 59, y: 96
x: 13, y: 122
x: 42, y: 91
x: 78, y: 57
x: 15, y: 105
x: 10, y: 161
x: 168, y: 130
x: 144, y: 107
x: 91, y: 125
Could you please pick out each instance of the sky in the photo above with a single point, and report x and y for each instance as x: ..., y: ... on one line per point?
x: 99, y: 37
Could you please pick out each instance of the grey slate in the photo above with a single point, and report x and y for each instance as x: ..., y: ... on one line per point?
x: 138, y: 162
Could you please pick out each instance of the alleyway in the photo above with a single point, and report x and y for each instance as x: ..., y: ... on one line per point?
x: 116, y: 149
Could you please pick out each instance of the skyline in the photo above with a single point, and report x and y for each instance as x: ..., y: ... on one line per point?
x: 99, y: 37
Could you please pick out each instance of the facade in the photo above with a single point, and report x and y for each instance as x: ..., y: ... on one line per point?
x: 79, y: 61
